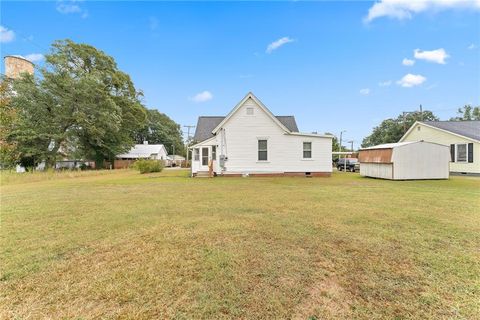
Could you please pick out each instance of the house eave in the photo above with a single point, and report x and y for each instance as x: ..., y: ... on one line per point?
x: 313, y: 135
x: 252, y: 96
x: 439, y: 129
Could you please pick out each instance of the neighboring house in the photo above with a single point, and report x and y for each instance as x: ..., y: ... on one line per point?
x: 250, y: 140
x: 463, y: 138
x: 141, y: 151
x: 405, y: 161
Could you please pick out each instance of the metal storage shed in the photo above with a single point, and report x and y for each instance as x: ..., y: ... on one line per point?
x: 405, y: 161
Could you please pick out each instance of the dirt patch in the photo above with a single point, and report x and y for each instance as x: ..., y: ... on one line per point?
x: 326, y: 299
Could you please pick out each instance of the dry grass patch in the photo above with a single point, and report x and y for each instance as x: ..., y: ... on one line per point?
x: 124, y: 245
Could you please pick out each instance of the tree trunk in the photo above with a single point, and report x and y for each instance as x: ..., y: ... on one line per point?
x: 99, y: 161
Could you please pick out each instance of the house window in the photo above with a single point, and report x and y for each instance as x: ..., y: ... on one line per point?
x: 418, y: 128
x: 461, y: 152
x: 196, y: 154
x: 250, y: 111
x: 262, y: 150
x: 214, y: 153
x: 307, y: 150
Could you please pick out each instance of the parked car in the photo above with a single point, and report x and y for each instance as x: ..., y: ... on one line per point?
x: 351, y: 164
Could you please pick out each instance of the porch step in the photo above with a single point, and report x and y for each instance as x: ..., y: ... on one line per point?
x: 202, y: 174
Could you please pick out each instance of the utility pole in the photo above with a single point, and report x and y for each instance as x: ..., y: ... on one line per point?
x: 405, y: 113
x: 421, y: 113
x: 188, y: 137
x: 351, y: 146
x: 340, y: 147
x: 340, y: 144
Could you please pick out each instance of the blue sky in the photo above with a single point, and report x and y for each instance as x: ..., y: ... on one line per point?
x: 334, y: 65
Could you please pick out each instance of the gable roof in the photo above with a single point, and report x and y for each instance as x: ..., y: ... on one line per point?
x: 206, y: 125
x: 289, y: 122
x: 143, y: 151
x: 468, y: 129
x: 260, y: 104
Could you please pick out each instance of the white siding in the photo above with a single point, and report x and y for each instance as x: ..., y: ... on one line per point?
x: 421, y: 160
x: 377, y: 170
x: 418, y: 160
x: 162, y: 154
x: 285, y: 152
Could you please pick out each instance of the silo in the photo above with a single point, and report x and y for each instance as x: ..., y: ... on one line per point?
x: 16, y: 65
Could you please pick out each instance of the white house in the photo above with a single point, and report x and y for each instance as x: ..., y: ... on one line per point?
x: 141, y: 151
x: 250, y: 140
x: 463, y: 138
x: 145, y: 151
x: 405, y: 161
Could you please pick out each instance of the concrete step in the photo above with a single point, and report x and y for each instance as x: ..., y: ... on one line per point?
x: 202, y: 174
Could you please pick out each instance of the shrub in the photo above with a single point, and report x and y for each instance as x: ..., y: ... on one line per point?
x: 147, y: 166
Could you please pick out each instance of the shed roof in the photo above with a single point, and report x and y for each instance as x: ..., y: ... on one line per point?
x: 469, y: 129
x: 142, y: 151
x: 389, y: 145
x: 206, y: 124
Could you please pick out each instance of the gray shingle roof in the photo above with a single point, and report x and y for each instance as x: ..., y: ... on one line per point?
x: 470, y: 129
x: 289, y: 122
x: 205, y: 126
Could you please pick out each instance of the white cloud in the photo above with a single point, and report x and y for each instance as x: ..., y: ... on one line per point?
x: 202, y: 96
x: 385, y: 83
x: 278, y: 43
x: 73, y: 6
x: 365, y: 92
x: 405, y: 9
x: 411, y: 80
x: 6, y: 35
x: 408, y: 62
x: 34, y: 57
x: 472, y: 46
x: 437, y: 56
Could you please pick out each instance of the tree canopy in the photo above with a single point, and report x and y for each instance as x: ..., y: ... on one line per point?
x: 391, y: 130
x: 159, y: 128
x: 467, y: 113
x: 82, y: 106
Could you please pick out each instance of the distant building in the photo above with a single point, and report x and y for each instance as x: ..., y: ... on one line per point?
x: 141, y: 151
x: 175, y: 161
x: 463, y: 138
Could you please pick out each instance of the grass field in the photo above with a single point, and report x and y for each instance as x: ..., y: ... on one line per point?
x: 123, y: 245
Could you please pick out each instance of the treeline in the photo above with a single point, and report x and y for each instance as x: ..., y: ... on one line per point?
x: 391, y: 130
x: 81, y: 106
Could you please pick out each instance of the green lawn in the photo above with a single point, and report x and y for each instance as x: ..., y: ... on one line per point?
x: 123, y: 245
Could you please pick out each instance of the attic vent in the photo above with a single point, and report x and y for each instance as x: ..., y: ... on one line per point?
x: 250, y: 111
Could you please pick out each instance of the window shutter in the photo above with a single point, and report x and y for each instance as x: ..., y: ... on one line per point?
x: 452, y: 152
x: 470, y: 152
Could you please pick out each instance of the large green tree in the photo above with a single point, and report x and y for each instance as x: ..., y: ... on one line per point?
x: 160, y: 129
x: 81, y: 104
x: 8, y: 115
x: 391, y: 130
x: 467, y: 113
